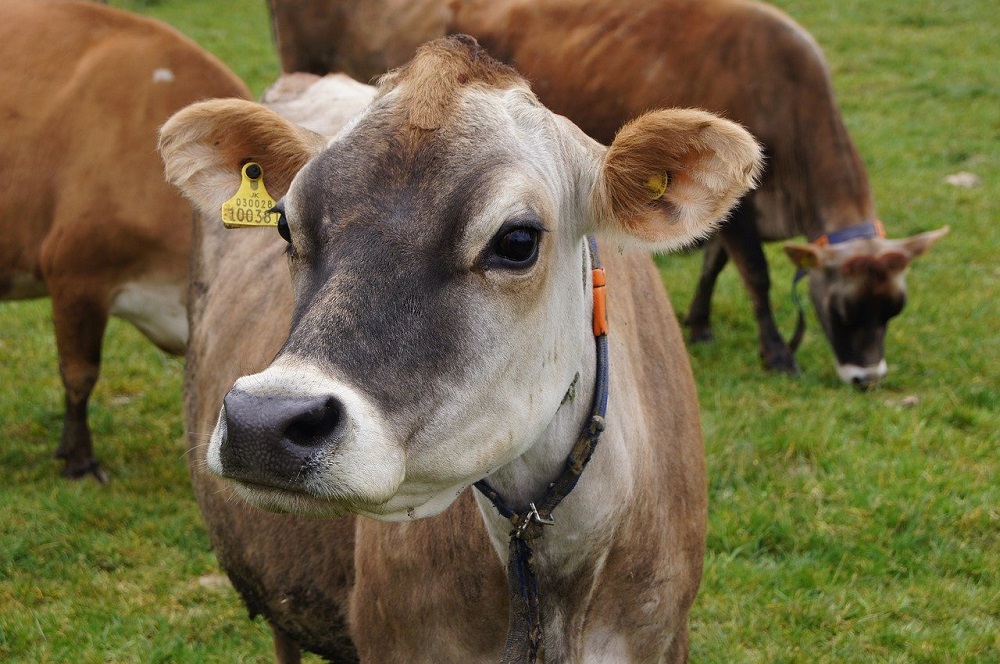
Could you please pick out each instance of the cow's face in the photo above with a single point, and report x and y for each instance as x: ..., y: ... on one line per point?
x: 440, y: 278
x: 856, y: 287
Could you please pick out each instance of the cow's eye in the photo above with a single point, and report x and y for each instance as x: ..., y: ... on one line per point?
x: 515, y: 247
x: 283, y: 230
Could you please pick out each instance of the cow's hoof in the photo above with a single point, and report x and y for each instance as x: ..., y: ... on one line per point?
x: 700, y: 334
x: 90, y: 468
x: 783, y: 363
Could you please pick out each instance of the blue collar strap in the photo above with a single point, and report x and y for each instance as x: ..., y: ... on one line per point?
x: 864, y: 230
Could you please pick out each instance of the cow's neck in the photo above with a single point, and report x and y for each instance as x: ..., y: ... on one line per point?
x: 569, y: 555
x: 838, y: 191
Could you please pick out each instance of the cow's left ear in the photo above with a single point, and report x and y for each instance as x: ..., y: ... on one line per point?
x: 671, y: 176
x: 920, y: 244
x: 205, y: 145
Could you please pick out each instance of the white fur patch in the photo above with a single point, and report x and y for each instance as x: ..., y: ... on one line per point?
x: 157, y: 309
x: 852, y: 373
x: 163, y: 75
x: 604, y: 645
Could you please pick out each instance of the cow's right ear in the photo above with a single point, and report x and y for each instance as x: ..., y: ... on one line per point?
x: 671, y: 176
x: 805, y: 256
x: 205, y: 145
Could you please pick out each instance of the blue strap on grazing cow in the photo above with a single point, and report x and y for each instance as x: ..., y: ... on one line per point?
x: 862, y: 231
x: 524, y: 629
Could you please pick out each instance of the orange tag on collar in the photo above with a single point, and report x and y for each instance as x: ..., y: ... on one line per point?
x: 600, y: 302
x: 251, y: 206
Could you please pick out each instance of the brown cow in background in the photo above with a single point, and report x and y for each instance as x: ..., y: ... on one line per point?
x: 87, y: 216
x: 602, y: 62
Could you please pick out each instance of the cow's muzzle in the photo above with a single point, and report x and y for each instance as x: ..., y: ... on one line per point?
x: 862, y: 378
x: 277, y: 440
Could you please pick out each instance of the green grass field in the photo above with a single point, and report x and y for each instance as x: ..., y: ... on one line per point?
x: 844, y: 527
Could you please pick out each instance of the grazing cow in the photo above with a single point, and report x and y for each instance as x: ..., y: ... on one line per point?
x: 87, y: 217
x: 601, y: 63
x: 436, y: 329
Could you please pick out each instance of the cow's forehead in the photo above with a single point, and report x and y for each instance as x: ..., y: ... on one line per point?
x: 494, y: 153
x: 451, y: 118
x: 485, y: 164
x: 838, y: 253
x: 430, y: 86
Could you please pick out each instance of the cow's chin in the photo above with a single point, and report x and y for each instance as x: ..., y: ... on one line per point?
x: 398, y: 508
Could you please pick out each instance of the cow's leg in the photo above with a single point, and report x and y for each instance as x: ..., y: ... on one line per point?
x: 699, y: 317
x: 286, y: 650
x: 80, y: 321
x: 678, y: 652
x: 742, y: 243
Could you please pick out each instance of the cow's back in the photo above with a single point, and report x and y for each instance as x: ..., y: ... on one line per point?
x: 742, y: 59
x: 81, y: 111
x: 603, y: 63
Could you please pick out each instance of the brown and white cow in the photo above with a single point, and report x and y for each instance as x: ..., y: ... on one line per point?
x: 436, y: 329
x: 87, y: 216
x: 603, y: 62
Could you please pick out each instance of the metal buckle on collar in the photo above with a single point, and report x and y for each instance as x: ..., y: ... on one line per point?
x: 532, y: 516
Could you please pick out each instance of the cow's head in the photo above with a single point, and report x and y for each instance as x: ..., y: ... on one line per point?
x: 437, y: 255
x: 856, y: 287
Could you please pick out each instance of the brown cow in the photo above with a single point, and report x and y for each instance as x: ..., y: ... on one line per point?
x: 436, y: 329
x: 87, y: 216
x: 601, y: 63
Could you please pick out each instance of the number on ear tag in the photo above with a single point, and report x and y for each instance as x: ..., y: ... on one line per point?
x: 251, y: 206
x: 657, y: 186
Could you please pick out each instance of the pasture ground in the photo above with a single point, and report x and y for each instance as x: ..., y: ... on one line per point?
x: 844, y: 527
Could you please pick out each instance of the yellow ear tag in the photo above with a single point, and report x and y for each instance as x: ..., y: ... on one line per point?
x: 657, y: 186
x: 251, y: 206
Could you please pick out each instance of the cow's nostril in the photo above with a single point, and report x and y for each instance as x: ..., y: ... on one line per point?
x: 272, y: 440
x: 311, y: 427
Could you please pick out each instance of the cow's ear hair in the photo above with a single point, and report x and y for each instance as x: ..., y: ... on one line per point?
x: 918, y: 245
x: 204, y: 147
x: 671, y: 176
x: 805, y: 256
